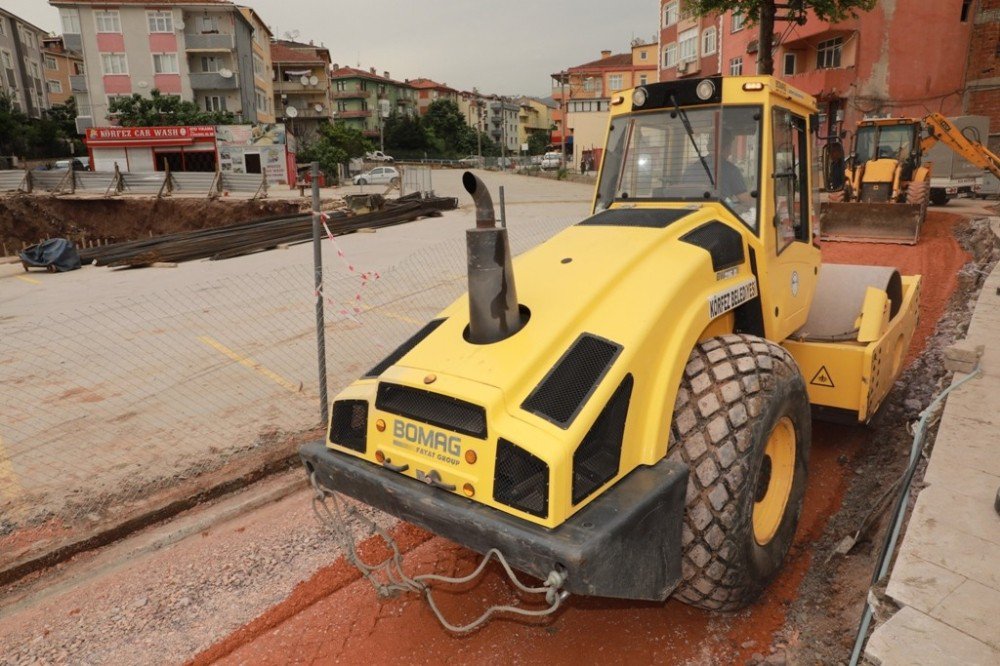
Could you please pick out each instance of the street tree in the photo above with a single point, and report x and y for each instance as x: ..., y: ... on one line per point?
x: 335, y: 145
x: 764, y: 13
x: 163, y: 110
x: 450, y: 133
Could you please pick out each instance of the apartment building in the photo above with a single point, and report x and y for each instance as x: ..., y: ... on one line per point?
x: 982, y: 91
x: 302, y: 86
x: 429, y: 92
x: 501, y: 121
x: 59, y: 64
x: 689, y: 45
x: 364, y: 98
x: 534, y: 117
x: 201, y: 50
x: 263, y: 80
x: 876, y: 64
x: 584, y: 93
x: 21, y: 63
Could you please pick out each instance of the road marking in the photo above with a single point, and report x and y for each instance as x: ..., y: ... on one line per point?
x: 27, y: 279
x: 396, y: 315
x: 252, y: 364
x: 10, y: 486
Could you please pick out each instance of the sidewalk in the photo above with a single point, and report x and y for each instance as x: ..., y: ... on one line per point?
x: 947, y: 575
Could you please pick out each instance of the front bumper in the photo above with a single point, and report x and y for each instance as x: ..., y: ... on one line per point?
x: 625, y: 544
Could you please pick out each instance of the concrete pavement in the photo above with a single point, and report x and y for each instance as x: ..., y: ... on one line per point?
x: 947, y: 574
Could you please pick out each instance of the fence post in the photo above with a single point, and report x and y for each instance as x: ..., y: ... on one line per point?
x: 318, y: 270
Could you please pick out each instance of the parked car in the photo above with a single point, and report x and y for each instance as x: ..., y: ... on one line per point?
x: 379, y: 156
x: 62, y: 165
x: 472, y: 161
x: 378, y: 176
x: 551, y: 160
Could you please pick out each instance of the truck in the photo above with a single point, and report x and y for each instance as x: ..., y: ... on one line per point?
x: 626, y: 410
x: 952, y: 175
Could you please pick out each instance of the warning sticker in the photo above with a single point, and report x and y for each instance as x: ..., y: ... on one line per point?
x: 726, y: 300
x: 822, y: 378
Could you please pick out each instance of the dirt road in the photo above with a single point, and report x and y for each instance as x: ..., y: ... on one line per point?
x: 335, y: 617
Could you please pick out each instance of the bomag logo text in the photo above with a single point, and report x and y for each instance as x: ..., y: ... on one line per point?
x: 427, y: 437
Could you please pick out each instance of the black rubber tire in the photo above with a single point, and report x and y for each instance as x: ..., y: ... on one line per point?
x: 735, y: 389
x: 939, y: 198
x: 919, y: 192
x: 394, y: 182
x: 362, y: 182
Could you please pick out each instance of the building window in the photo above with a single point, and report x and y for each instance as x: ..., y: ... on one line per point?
x: 789, y: 68
x: 688, y: 43
x: 670, y: 13
x: 215, y: 103
x: 208, y: 24
x: 708, y: 41
x: 28, y: 38
x: 642, y: 55
x: 33, y: 68
x: 615, y: 82
x: 53, y: 85
x: 50, y: 63
x: 261, y: 100
x: 670, y: 55
x: 165, y: 63
x: 737, y: 22
x: 341, y: 86
x: 210, y: 64
x: 3, y: 26
x: 258, y: 65
x: 341, y: 106
x: 78, y: 69
x: 966, y: 6
x: 70, y: 20
x: 114, y: 63
x: 736, y: 66
x: 160, y: 21
x: 108, y: 20
x: 828, y: 53
x: 8, y: 61
x: 643, y: 79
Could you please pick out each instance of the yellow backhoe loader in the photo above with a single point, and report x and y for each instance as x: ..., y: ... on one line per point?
x: 880, y: 191
x: 631, y: 416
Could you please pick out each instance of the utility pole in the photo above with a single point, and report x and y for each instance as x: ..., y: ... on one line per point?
x: 765, y: 64
x: 565, y: 105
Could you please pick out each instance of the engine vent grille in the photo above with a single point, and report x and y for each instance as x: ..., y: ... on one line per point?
x: 432, y: 408
x: 403, y: 349
x: 349, y: 424
x: 597, y: 459
x: 563, y: 392
x: 521, y: 480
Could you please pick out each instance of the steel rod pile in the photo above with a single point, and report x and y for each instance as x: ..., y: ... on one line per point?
x: 239, y: 239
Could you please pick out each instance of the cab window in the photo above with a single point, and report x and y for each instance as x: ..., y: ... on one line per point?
x: 791, y: 178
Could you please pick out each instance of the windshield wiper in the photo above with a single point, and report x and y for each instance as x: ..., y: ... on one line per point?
x: 687, y: 127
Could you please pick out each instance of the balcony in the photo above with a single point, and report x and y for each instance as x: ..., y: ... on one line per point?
x: 213, y: 81
x: 355, y: 113
x: 78, y: 84
x: 350, y: 94
x: 208, y: 42
x: 297, y: 86
x: 307, y: 112
x: 824, y: 83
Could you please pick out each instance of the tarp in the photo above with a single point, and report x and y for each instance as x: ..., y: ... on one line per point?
x: 59, y: 253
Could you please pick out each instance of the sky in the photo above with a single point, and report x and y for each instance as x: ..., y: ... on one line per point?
x: 506, y: 47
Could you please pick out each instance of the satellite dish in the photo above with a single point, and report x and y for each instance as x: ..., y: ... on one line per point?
x: 313, y: 80
x: 143, y: 84
x: 304, y: 80
x: 291, y: 111
x: 226, y: 73
x: 319, y: 108
x: 179, y: 25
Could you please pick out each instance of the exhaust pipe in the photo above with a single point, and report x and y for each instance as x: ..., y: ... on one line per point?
x: 494, y: 314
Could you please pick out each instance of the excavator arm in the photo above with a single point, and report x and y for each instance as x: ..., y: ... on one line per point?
x: 940, y: 129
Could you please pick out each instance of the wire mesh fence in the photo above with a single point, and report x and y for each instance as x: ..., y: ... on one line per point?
x: 121, y: 405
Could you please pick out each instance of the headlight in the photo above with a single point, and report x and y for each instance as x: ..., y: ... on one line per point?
x: 639, y: 96
x: 705, y: 89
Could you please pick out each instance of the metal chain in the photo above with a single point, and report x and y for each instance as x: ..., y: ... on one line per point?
x: 394, y: 580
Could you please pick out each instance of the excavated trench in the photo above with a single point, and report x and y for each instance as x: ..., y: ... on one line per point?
x: 26, y: 219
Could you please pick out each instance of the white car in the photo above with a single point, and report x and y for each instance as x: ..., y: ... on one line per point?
x: 551, y: 160
x: 379, y: 156
x: 378, y: 176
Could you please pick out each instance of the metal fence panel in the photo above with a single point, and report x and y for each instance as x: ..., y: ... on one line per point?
x: 417, y: 179
x: 11, y: 180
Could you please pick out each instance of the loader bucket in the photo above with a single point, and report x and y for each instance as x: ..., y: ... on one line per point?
x: 871, y: 222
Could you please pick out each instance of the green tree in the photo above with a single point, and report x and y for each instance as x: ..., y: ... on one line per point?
x: 447, y: 128
x: 163, y: 110
x: 335, y: 145
x: 537, y: 142
x: 405, y: 133
x: 13, y: 124
x: 764, y: 13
